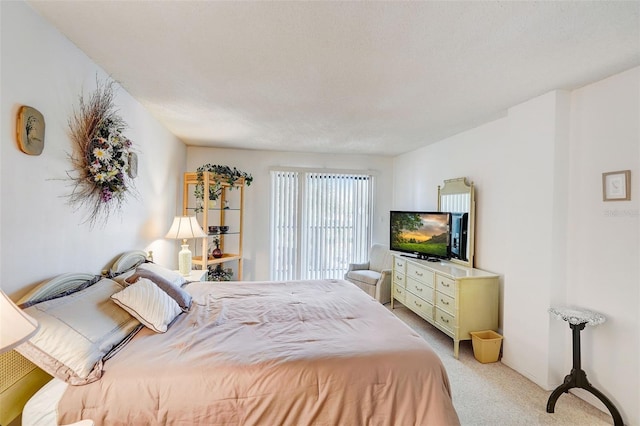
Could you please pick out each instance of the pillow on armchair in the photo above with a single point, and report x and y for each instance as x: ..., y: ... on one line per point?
x: 374, y: 276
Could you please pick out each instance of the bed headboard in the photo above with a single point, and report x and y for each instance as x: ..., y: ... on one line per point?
x: 127, y: 260
x: 19, y: 380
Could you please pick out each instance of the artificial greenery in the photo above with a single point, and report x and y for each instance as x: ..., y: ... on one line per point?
x: 221, y: 174
x: 219, y: 274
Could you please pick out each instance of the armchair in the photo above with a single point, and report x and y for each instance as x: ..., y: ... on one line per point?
x: 374, y: 276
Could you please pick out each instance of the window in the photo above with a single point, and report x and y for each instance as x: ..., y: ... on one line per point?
x: 320, y: 222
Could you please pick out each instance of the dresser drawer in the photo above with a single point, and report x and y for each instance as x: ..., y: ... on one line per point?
x: 419, y: 273
x: 399, y: 264
x: 445, y: 320
x: 399, y: 279
x: 399, y: 294
x: 445, y: 302
x: 421, y: 290
x: 445, y: 285
x: 419, y: 306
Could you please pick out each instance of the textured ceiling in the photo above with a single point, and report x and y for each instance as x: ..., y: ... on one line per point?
x: 344, y: 77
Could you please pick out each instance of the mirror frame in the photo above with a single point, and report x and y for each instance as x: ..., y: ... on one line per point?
x: 458, y: 187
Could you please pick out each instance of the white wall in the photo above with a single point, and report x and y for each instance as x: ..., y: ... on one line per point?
x: 542, y: 225
x: 41, y: 235
x: 604, y: 243
x: 534, y: 269
x: 257, y: 196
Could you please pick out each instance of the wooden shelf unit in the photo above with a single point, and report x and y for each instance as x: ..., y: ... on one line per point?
x: 217, y: 215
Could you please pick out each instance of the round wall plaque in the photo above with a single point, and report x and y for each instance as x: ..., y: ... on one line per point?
x: 30, y: 128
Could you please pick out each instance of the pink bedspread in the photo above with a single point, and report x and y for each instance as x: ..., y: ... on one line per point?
x: 271, y: 353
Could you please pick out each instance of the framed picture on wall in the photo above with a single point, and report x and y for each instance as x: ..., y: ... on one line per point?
x: 616, y: 186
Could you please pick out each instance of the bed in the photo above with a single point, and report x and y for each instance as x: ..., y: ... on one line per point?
x: 317, y: 352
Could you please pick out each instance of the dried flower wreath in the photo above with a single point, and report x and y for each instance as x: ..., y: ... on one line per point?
x: 100, y: 156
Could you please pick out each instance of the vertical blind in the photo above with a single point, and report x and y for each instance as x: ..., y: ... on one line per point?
x: 320, y: 222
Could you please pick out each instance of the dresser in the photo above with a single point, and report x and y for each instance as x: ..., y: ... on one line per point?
x: 455, y: 299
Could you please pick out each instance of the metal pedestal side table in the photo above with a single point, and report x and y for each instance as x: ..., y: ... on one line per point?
x: 577, y: 319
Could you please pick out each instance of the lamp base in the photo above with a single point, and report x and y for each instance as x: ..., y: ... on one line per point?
x: 184, y: 260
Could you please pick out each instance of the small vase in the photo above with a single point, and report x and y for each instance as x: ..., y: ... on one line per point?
x: 212, y: 204
x: 217, y: 253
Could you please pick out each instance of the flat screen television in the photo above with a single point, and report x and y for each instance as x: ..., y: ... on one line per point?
x: 425, y: 235
x: 459, y: 227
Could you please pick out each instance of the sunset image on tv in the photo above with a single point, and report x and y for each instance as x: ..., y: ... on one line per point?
x: 425, y: 233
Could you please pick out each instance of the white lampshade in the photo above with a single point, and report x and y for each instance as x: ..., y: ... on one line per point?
x: 184, y: 228
x: 15, y: 325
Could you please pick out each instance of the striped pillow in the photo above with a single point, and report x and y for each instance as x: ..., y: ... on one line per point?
x: 173, y: 290
x: 149, y: 304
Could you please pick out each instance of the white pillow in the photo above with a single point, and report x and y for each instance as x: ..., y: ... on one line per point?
x: 77, y: 331
x: 149, y: 304
x: 169, y: 275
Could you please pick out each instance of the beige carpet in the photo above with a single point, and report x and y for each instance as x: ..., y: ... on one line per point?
x: 493, y: 394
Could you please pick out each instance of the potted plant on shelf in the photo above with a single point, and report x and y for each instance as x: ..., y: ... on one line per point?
x: 221, y: 174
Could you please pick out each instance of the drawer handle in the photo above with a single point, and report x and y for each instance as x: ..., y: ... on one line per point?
x: 444, y: 319
x: 443, y: 284
x: 444, y: 302
x: 398, y: 264
x: 418, y: 273
x: 419, y: 305
x: 418, y: 288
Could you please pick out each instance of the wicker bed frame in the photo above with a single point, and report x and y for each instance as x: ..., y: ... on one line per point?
x: 19, y: 380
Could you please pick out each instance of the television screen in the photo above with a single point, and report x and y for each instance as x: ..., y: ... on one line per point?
x: 425, y: 234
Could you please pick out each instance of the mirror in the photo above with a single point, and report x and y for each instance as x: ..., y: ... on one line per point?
x: 458, y: 197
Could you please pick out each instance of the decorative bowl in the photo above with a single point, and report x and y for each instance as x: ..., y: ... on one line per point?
x: 223, y: 229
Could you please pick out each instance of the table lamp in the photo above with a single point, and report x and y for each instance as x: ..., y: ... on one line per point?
x: 15, y: 325
x: 184, y: 228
